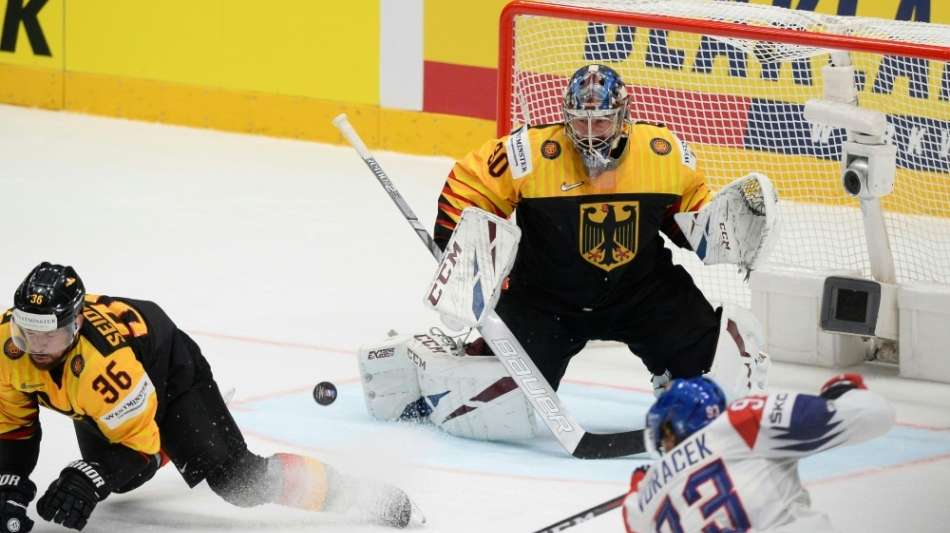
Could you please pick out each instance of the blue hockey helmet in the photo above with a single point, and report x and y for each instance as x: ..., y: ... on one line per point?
x: 595, y: 111
x: 687, y: 406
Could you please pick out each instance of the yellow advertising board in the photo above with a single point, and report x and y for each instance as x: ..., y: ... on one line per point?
x: 32, y: 33
x: 323, y: 50
x: 31, y: 52
x: 464, y: 33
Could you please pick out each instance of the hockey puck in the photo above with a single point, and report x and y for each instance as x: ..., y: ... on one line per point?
x: 324, y: 393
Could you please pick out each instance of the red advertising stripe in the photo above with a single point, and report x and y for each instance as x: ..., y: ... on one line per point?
x: 697, y: 117
x: 459, y: 90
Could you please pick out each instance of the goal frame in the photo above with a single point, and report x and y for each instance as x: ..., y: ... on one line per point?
x: 660, y: 22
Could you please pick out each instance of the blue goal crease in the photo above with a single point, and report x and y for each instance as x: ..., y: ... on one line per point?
x: 296, y: 419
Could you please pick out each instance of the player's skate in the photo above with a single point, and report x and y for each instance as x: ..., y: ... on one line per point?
x: 395, y: 509
x: 371, y: 501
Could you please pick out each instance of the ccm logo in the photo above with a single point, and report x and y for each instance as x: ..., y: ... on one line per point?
x: 430, y: 343
x: 725, y: 235
x: 446, y: 267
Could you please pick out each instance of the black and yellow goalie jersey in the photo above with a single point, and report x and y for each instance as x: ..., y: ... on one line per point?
x: 102, y: 379
x: 585, y: 242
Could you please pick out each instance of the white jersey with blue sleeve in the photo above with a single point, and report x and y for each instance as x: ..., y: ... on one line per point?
x: 740, y: 472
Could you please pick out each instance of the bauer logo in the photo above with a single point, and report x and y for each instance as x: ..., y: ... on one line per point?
x: 23, y: 16
x: 543, y: 398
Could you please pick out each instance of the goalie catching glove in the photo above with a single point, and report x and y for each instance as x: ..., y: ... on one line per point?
x: 739, y: 226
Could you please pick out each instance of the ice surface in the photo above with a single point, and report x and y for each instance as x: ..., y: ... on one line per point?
x: 282, y: 257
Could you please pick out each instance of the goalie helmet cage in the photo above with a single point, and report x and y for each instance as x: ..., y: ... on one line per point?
x: 731, y: 79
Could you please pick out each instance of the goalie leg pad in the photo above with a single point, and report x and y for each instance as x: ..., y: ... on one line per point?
x: 740, y: 366
x: 472, y: 396
x: 390, y: 379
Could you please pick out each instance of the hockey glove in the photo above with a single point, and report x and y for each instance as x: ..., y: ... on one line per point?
x: 70, y: 499
x: 639, y: 473
x: 16, y: 493
x: 840, y: 384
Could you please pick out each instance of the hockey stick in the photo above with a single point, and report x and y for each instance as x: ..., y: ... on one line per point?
x: 519, y: 365
x: 584, y: 516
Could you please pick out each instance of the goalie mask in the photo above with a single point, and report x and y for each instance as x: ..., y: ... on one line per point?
x: 595, y: 111
x: 45, y: 310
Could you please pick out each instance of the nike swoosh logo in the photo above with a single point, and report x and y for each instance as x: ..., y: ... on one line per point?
x: 565, y: 187
x: 183, y: 468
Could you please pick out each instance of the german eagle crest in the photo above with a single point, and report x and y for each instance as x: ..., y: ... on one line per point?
x: 609, y: 233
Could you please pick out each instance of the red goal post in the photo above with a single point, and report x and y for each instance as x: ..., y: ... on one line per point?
x: 732, y: 79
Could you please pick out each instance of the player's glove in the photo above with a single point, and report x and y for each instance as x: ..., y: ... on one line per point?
x: 16, y: 493
x: 637, y: 476
x: 840, y: 384
x: 70, y: 499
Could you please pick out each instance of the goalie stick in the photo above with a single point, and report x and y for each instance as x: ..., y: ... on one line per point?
x: 584, y: 515
x: 542, y: 397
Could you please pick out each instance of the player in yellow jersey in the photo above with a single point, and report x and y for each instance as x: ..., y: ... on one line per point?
x: 140, y: 393
x: 591, y: 196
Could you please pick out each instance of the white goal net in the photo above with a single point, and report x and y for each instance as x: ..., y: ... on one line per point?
x: 732, y: 79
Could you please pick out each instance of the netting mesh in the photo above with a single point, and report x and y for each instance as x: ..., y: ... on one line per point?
x: 739, y: 103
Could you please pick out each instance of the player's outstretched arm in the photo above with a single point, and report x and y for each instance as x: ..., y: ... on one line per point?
x: 796, y: 425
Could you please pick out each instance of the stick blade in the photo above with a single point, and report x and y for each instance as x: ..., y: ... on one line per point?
x: 608, y: 446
